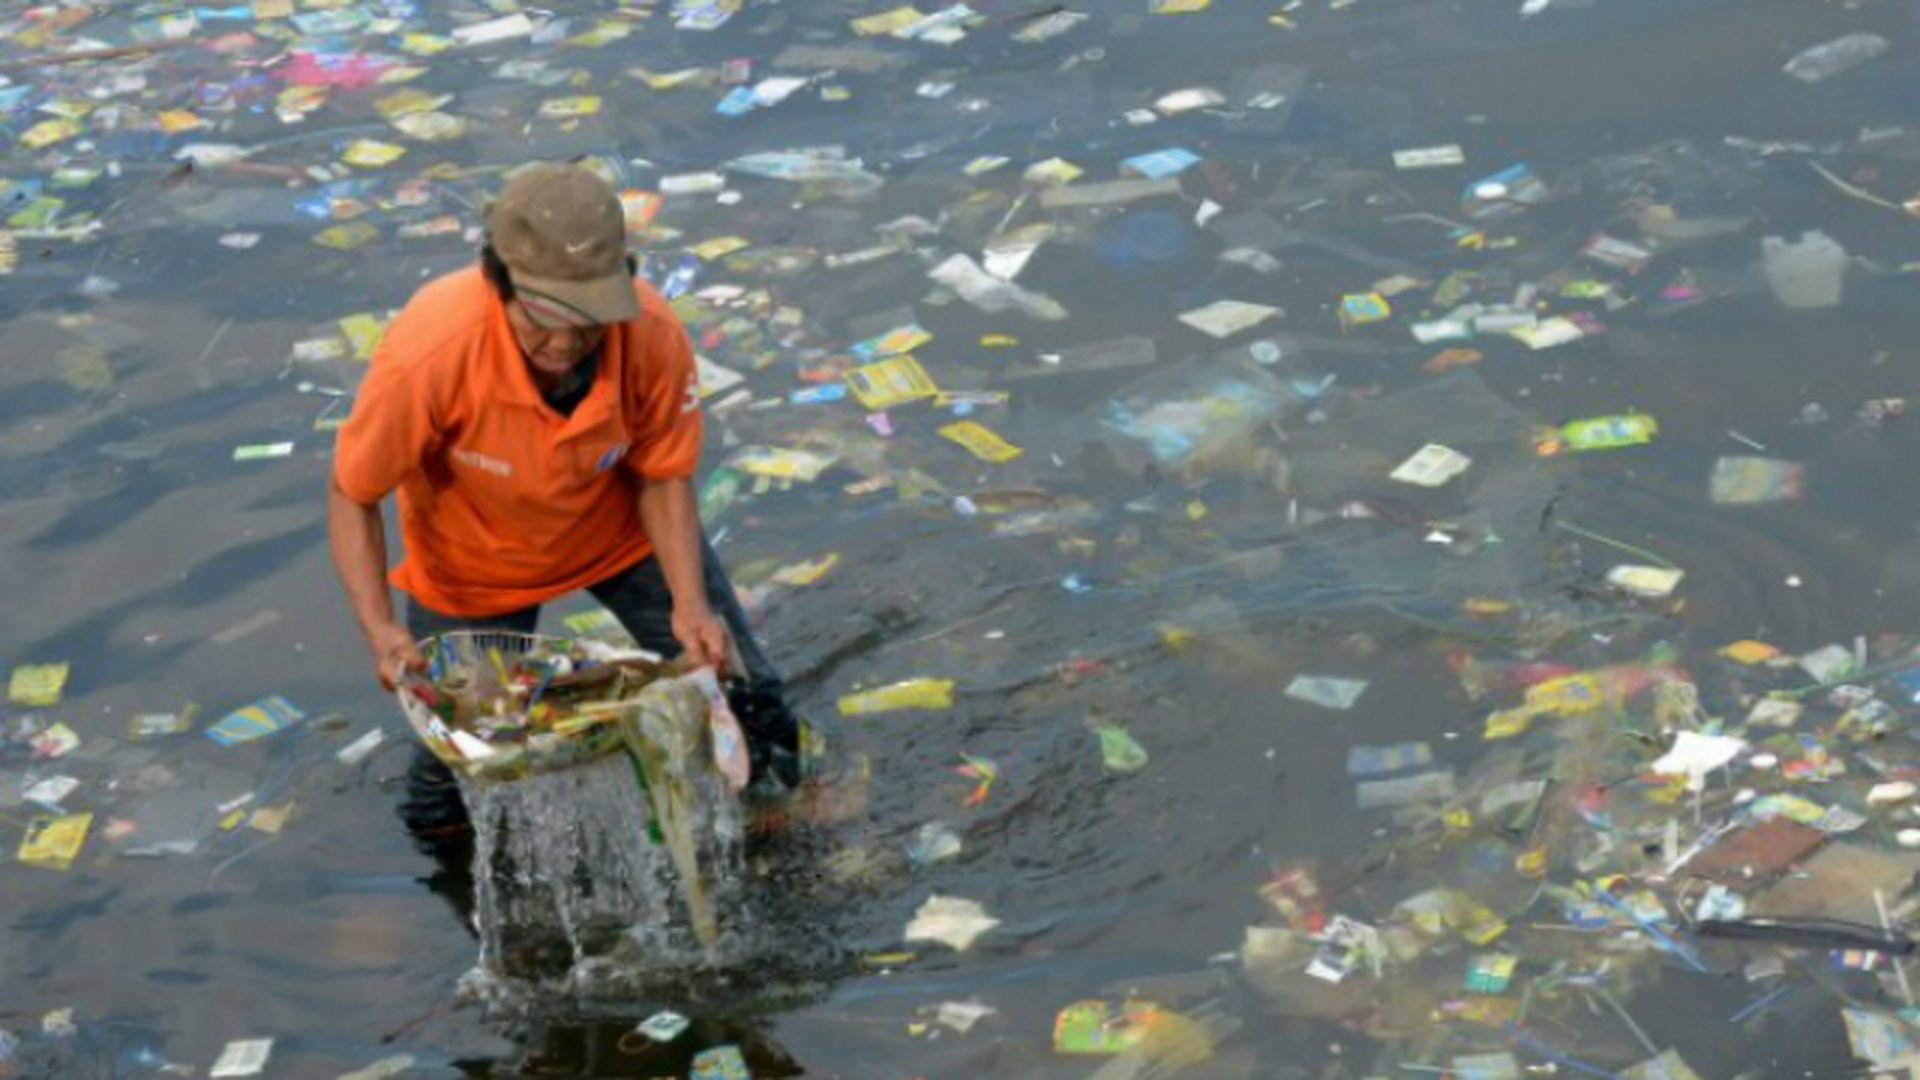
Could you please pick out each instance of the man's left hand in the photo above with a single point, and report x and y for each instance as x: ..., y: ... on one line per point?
x: 703, y: 636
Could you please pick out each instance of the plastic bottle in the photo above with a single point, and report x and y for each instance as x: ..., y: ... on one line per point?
x: 1807, y: 274
x: 1836, y: 56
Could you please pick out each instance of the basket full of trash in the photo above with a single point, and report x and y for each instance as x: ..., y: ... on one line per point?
x: 603, y: 784
x: 498, y: 706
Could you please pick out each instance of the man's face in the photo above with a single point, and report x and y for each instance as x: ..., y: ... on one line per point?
x: 552, y: 351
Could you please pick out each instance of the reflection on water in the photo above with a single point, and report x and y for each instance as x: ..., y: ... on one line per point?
x: 1193, y: 522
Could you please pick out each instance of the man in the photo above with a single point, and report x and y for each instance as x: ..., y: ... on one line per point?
x: 539, y: 416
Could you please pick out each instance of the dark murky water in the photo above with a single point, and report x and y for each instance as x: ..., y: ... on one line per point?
x: 1083, y: 582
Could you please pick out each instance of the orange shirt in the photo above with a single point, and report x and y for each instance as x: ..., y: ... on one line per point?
x: 503, y: 501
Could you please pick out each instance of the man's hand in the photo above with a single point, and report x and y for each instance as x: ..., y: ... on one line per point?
x: 394, y: 654
x: 703, y: 635
x: 671, y: 519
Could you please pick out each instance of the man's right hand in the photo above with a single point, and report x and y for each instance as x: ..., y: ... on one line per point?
x: 395, y: 653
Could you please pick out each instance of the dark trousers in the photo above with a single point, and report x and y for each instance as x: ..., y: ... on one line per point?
x: 639, y: 598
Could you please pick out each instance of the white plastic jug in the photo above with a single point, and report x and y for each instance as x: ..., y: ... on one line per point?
x: 1807, y: 274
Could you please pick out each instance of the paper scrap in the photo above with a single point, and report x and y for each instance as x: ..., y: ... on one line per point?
x: 1186, y: 100
x: 1431, y: 157
x: 1652, y: 582
x: 1694, y: 755
x: 361, y: 748
x: 1432, y: 466
x: 1326, y: 690
x: 961, y: 1015
x: 382, y: 1069
x: 242, y: 1057
x: 50, y: 791
x: 950, y: 920
x: 1224, y: 318
x: 663, y: 1026
x: 501, y: 29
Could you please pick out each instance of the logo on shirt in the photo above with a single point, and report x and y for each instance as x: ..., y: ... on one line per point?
x: 481, y: 461
x: 612, y: 457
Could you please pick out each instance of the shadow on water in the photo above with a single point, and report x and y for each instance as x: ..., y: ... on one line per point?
x: 613, y: 1049
x: 222, y: 574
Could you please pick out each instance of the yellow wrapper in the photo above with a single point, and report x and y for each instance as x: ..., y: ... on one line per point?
x: 894, y: 381
x: 346, y: 237
x: 38, y: 684
x: 48, y: 132
x: 425, y: 44
x: 570, y: 106
x: 175, y: 121
x: 911, y: 694
x: 54, y: 842
x: 806, y: 573
x: 406, y: 102
x: 887, y: 22
x: 604, y: 34
x: 1568, y: 695
x: 1054, y: 171
x: 719, y: 246
x: 1510, y: 722
x: 1750, y: 652
x: 372, y: 154
x: 981, y: 442
x: 363, y: 331
x: 779, y: 463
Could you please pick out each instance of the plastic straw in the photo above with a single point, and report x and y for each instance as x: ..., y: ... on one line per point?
x: 1755, y: 1007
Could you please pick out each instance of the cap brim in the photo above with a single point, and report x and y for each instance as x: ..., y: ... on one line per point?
x: 610, y: 299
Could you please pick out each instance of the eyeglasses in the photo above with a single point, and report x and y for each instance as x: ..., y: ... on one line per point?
x: 536, y: 332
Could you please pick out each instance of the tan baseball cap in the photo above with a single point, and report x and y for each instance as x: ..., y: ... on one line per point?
x: 562, y: 234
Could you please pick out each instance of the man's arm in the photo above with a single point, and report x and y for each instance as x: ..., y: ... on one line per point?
x: 357, y: 533
x: 671, y: 517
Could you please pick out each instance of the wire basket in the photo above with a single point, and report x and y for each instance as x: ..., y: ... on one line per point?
x: 471, y: 669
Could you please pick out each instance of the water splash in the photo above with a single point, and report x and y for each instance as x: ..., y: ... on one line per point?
x: 578, y: 891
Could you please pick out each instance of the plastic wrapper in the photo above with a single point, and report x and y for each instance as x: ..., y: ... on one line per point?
x: 1191, y: 415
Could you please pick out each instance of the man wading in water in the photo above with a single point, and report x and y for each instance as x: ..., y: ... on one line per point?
x: 539, y: 416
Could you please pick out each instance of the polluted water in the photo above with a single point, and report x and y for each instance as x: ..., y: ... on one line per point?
x: 1328, y: 539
